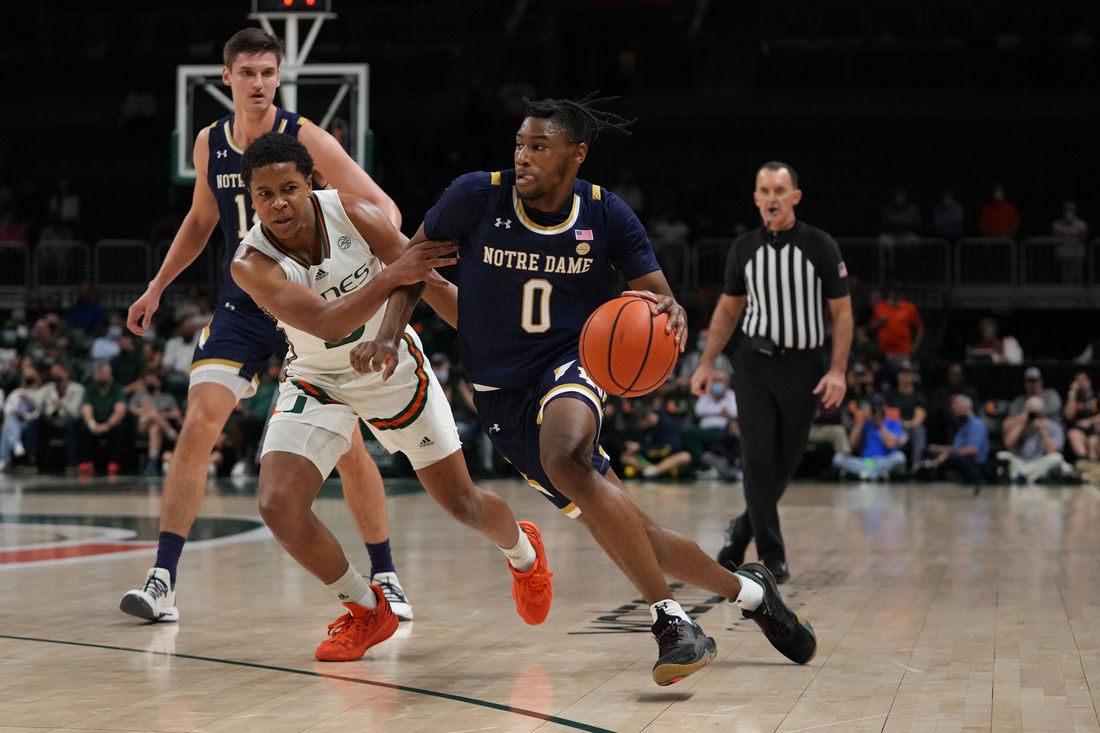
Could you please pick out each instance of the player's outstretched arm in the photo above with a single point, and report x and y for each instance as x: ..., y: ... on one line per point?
x: 331, y: 320
x: 343, y: 173
x: 189, y: 241
x: 388, y: 245
x: 380, y: 355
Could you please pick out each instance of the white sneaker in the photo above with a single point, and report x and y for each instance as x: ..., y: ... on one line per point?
x: 394, y: 593
x: 155, y: 601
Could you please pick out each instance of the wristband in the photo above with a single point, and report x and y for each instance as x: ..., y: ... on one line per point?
x: 90, y: 424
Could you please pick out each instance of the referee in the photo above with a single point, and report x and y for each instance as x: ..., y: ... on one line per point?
x: 779, y: 276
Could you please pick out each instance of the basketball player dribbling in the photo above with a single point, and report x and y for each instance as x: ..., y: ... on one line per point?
x: 240, y: 340
x: 313, y: 263
x: 538, y: 253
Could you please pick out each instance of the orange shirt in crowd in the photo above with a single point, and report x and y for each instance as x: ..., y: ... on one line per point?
x: 895, y: 338
x: 999, y: 219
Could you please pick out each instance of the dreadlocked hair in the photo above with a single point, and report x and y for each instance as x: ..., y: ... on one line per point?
x: 579, y: 120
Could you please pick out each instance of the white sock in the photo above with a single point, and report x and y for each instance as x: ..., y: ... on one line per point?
x: 353, y: 588
x: 649, y: 471
x: 751, y: 595
x: 522, y: 556
x: 671, y: 608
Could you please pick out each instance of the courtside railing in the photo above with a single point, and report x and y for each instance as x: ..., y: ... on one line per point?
x: 62, y: 264
x: 985, y: 262
x: 15, y: 267
x: 122, y: 264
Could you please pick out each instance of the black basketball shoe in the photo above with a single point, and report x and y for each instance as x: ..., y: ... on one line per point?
x: 788, y: 632
x: 732, y: 554
x: 778, y: 569
x: 683, y: 647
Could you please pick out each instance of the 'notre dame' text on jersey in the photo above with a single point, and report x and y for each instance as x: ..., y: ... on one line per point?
x: 527, y: 280
x: 234, y: 204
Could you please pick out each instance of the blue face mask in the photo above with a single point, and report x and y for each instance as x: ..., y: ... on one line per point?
x: 442, y: 375
x: 114, y: 332
x: 717, y: 389
x: 701, y: 344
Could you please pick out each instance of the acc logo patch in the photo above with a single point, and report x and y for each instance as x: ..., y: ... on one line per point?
x: 343, y: 242
x: 583, y: 248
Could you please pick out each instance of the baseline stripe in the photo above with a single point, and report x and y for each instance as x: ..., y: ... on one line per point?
x: 307, y: 673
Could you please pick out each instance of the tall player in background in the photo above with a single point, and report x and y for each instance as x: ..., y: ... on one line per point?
x: 538, y: 253
x: 241, y: 339
x: 313, y: 263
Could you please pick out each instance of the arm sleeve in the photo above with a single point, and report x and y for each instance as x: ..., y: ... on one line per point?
x: 459, y: 208
x: 895, y: 428
x: 735, y: 274
x: 834, y: 273
x: 629, y: 246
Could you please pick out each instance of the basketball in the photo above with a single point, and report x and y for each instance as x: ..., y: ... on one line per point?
x: 624, y: 347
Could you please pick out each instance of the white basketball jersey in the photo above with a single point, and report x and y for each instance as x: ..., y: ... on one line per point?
x: 347, y: 266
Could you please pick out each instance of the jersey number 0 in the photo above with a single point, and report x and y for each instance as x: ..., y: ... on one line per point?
x: 536, y: 305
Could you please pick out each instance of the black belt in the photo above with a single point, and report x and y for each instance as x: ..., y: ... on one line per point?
x: 767, y: 347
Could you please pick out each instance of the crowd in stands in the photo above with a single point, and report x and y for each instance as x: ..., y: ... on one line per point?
x: 82, y: 394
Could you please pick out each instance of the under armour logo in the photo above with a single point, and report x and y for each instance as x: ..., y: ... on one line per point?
x: 222, y: 153
x: 495, y: 428
x: 230, y: 306
x: 507, y: 223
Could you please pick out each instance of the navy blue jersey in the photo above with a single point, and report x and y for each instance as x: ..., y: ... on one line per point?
x: 527, y: 281
x: 234, y: 204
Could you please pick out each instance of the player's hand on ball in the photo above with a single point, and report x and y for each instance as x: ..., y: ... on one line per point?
x: 375, y: 356
x: 418, y: 263
x: 677, y: 316
x: 142, y: 310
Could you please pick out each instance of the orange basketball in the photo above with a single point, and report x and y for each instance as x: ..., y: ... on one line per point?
x: 625, y: 350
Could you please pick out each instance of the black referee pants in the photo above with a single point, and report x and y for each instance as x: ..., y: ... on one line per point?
x: 775, y: 407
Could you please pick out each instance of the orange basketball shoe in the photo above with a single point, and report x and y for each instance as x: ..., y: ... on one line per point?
x: 533, y: 591
x: 359, y: 629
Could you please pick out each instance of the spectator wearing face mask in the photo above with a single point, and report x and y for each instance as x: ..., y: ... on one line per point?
x: 106, y: 346
x: 689, y: 362
x: 128, y: 365
x: 21, y: 410
x: 61, y: 402
x: 158, y: 418
x: 719, y: 431
x: 103, y: 411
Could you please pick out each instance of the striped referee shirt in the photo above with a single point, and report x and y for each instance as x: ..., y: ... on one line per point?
x: 786, y: 276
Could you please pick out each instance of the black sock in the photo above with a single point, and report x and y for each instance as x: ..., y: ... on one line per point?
x: 168, y: 553
x: 380, y: 559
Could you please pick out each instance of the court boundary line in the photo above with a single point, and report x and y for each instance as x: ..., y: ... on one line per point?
x: 545, y: 717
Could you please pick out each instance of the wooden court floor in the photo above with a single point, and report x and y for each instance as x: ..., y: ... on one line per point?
x: 936, y: 610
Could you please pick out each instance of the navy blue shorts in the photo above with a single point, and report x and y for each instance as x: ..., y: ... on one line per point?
x: 235, y: 347
x: 512, y: 419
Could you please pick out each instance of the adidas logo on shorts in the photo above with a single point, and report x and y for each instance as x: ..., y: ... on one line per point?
x: 426, y: 442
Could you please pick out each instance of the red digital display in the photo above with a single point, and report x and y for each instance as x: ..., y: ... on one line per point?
x: 284, y: 6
